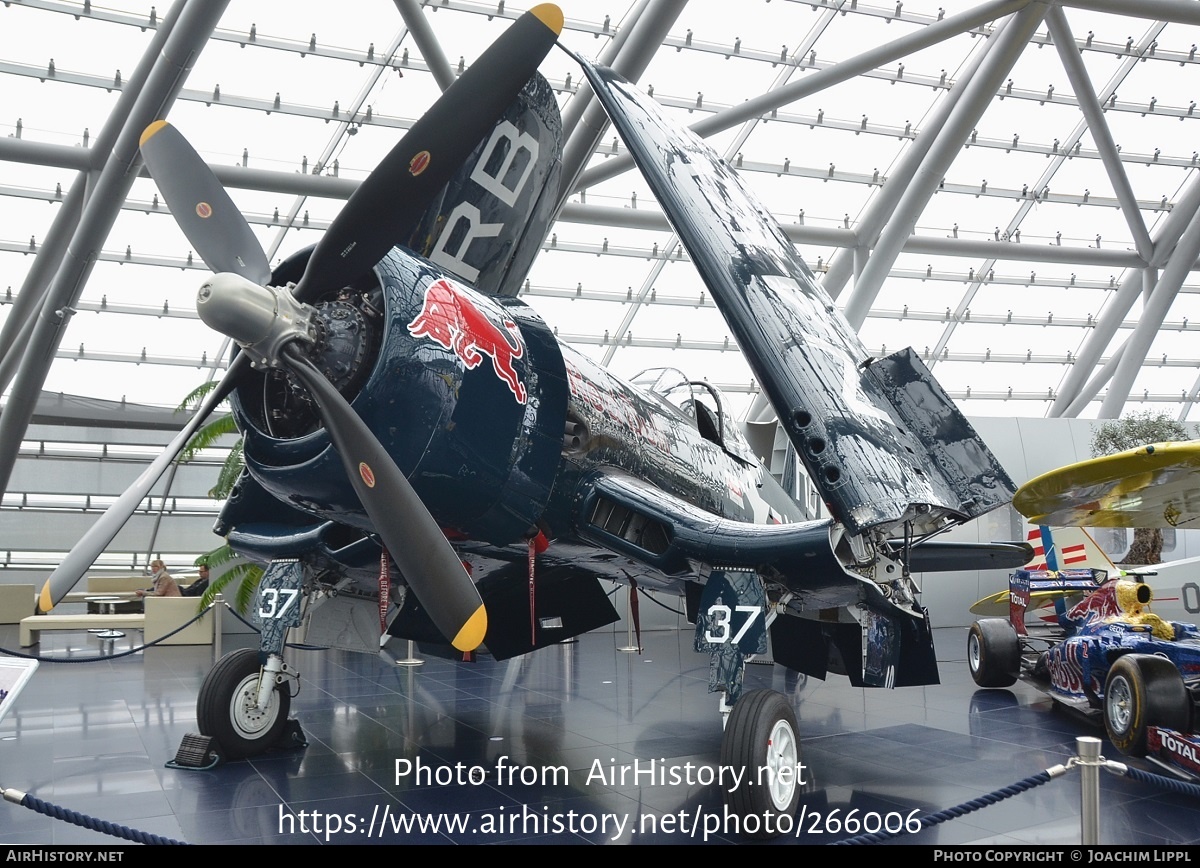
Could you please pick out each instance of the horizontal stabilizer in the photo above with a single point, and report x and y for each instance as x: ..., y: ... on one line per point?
x: 938, y: 556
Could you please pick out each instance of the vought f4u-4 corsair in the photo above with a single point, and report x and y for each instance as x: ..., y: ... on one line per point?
x: 425, y: 460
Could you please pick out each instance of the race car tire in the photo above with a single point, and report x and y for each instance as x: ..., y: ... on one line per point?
x: 1143, y: 690
x: 993, y: 653
x: 226, y: 707
x: 762, y: 747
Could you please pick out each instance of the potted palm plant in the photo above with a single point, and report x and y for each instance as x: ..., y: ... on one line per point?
x: 229, y: 569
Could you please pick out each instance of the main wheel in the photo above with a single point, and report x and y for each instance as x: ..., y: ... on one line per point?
x: 993, y: 653
x: 762, y: 747
x: 227, y: 706
x: 1141, y: 691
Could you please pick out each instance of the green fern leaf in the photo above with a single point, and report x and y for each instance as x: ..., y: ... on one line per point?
x: 231, y: 471
x: 195, y: 397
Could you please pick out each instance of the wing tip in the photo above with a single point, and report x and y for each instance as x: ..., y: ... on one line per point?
x: 550, y: 15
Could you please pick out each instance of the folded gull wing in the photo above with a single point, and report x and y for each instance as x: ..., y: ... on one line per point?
x: 882, y: 441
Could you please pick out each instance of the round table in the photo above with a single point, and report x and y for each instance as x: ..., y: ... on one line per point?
x: 108, y: 606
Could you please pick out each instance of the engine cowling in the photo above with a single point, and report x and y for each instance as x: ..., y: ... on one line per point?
x: 467, y: 393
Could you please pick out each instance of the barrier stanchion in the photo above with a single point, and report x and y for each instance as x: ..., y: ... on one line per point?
x: 411, y: 659
x: 218, y: 604
x: 1089, y: 788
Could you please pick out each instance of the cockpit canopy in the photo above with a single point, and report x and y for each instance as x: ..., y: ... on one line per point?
x: 700, y: 404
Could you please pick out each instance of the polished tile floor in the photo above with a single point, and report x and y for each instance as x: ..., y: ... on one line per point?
x: 94, y: 738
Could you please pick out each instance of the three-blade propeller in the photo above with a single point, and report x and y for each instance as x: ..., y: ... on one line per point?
x: 385, y: 209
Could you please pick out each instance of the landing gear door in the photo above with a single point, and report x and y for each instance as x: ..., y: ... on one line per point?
x: 277, y: 606
x: 731, y: 625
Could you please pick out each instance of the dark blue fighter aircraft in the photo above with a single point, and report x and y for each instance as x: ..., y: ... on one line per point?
x: 425, y: 460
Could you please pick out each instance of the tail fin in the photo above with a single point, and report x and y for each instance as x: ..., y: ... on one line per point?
x: 1060, y: 548
x: 1068, y: 548
x: 1065, y: 548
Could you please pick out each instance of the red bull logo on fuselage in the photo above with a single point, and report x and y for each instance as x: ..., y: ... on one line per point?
x: 452, y: 319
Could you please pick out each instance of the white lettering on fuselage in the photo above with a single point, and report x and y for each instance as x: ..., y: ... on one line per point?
x: 508, y: 136
x: 463, y: 211
x: 517, y: 144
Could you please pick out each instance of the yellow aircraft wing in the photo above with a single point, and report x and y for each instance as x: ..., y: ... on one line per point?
x: 1151, y: 486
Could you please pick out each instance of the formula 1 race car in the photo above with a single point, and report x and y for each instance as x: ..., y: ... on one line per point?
x: 1100, y: 652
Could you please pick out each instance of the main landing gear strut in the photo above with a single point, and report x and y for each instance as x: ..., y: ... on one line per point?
x: 245, y: 699
x: 761, y: 744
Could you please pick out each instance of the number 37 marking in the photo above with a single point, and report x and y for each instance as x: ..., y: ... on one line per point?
x: 719, y: 623
x: 269, y: 602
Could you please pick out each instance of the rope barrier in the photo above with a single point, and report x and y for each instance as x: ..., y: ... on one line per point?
x: 1120, y: 769
x: 78, y: 819
x: 649, y: 596
x: 1172, y: 784
x: 134, y: 650
x: 965, y: 808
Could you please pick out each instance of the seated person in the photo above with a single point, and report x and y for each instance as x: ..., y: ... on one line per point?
x: 164, y: 585
x: 198, y: 587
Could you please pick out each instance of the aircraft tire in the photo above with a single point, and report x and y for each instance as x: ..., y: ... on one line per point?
x: 761, y: 739
x: 225, y: 708
x: 1143, y: 690
x: 993, y: 653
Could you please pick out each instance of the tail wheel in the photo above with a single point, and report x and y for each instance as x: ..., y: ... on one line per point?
x: 227, y: 708
x: 762, y: 745
x: 1141, y: 691
x: 993, y: 653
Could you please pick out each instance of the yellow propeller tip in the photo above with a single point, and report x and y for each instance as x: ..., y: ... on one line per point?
x: 45, y: 600
x: 150, y: 131
x: 471, y: 635
x: 550, y: 15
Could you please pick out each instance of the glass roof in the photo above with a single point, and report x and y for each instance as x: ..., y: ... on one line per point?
x: 941, y: 169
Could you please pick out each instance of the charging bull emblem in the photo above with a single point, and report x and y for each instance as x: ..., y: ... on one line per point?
x: 452, y: 320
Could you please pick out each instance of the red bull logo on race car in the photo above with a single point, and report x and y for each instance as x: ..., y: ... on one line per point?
x: 1066, y: 675
x: 452, y: 319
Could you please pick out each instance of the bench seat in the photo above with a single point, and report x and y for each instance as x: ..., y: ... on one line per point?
x: 35, y: 624
x: 163, y: 615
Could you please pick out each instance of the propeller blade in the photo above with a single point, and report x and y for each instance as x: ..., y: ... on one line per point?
x: 392, y: 199
x: 382, y: 211
x: 429, y: 563
x: 91, y: 544
x: 200, y: 205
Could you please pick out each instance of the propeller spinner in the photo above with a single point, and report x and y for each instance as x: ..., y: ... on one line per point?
x: 272, y: 323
